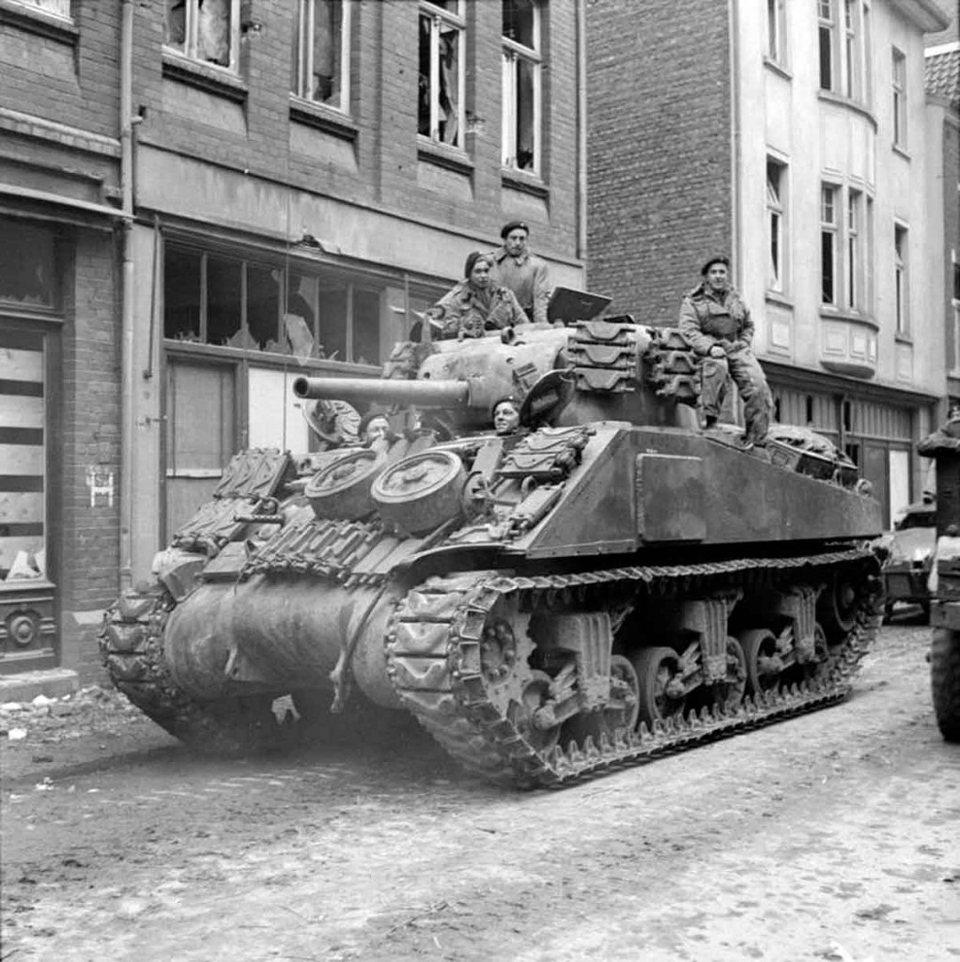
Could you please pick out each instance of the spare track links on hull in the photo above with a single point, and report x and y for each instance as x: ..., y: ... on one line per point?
x: 131, y: 647
x: 435, y: 659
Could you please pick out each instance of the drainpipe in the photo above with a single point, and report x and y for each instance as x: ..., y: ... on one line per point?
x: 127, y: 426
x: 736, y: 151
x: 582, y: 132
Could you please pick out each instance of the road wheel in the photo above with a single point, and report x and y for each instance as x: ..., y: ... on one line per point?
x: 763, y: 663
x: 658, y: 671
x: 945, y: 682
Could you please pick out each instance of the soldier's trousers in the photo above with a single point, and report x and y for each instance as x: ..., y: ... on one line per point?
x: 751, y: 382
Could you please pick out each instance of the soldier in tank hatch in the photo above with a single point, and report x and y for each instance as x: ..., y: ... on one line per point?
x: 506, y: 416
x: 716, y: 323
x: 476, y: 304
x: 526, y: 275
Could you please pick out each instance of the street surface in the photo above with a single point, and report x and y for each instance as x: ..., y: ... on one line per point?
x: 832, y: 836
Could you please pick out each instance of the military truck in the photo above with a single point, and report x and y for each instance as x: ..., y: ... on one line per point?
x: 944, y: 446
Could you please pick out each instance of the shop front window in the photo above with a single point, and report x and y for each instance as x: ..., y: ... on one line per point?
x: 232, y: 302
x: 23, y: 439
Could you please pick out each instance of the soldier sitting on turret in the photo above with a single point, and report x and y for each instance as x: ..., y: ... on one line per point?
x: 716, y: 323
x: 475, y: 306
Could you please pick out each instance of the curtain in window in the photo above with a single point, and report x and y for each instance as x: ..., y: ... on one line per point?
x: 449, y: 74
x: 326, y: 50
x: 214, y: 31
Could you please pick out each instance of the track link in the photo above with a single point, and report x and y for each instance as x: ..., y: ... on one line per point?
x: 434, y: 661
x: 131, y: 648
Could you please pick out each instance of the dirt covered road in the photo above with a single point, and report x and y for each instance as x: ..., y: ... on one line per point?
x: 832, y: 836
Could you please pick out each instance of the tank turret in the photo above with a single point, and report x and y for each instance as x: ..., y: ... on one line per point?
x: 604, y: 584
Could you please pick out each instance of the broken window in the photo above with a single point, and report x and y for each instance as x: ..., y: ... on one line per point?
x: 205, y: 30
x: 441, y: 80
x: 28, y: 268
x: 521, y: 84
x: 321, y: 61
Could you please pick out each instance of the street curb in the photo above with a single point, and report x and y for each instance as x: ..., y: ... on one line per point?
x: 52, y: 683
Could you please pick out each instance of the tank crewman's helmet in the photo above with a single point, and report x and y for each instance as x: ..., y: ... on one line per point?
x: 719, y: 259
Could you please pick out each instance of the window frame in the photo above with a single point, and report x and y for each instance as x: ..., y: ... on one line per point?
x: 306, y: 9
x: 61, y: 9
x: 189, y: 48
x: 829, y: 229
x: 440, y: 18
x: 777, y: 32
x: 901, y: 279
x: 898, y: 83
x: 777, y: 228
x: 853, y: 245
x: 842, y: 26
x: 513, y: 53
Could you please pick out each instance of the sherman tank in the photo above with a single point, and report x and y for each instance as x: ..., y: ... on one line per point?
x: 606, y: 584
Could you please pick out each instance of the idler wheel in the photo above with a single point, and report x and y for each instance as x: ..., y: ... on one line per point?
x: 729, y: 692
x: 421, y: 492
x: 342, y: 490
x: 763, y: 663
x: 661, y: 688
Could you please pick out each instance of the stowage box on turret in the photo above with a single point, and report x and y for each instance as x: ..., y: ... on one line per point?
x: 607, y: 583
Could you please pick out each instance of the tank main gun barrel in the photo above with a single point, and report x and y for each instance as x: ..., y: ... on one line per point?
x: 422, y: 393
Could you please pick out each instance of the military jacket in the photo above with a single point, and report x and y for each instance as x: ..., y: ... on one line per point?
x: 527, y: 277
x: 464, y: 311
x: 707, y: 320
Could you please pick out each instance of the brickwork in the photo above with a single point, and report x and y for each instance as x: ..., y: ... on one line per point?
x: 383, y: 112
x: 73, y: 77
x: 659, y: 187
x: 90, y: 441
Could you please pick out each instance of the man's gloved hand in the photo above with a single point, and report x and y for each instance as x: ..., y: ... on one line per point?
x: 717, y: 351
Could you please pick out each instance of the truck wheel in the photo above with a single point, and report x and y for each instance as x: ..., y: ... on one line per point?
x: 945, y: 682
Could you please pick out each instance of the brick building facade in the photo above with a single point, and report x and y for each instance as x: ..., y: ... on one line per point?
x: 297, y: 179
x: 59, y: 332
x: 791, y: 136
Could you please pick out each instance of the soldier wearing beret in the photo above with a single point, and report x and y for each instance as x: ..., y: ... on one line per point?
x: 476, y: 305
x: 716, y: 323
x: 526, y: 275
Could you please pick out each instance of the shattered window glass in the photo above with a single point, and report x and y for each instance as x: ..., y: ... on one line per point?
x: 441, y: 76
x: 204, y: 30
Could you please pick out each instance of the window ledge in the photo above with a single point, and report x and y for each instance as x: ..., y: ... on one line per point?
x: 322, y: 117
x: 528, y: 183
x: 777, y: 297
x: 851, y: 317
x: 778, y: 68
x: 904, y: 339
x: 42, y: 22
x: 858, y: 108
x: 453, y: 158
x: 897, y: 149
x: 204, y: 76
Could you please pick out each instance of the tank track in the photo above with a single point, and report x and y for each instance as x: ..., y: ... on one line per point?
x: 131, y: 648
x: 434, y: 661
